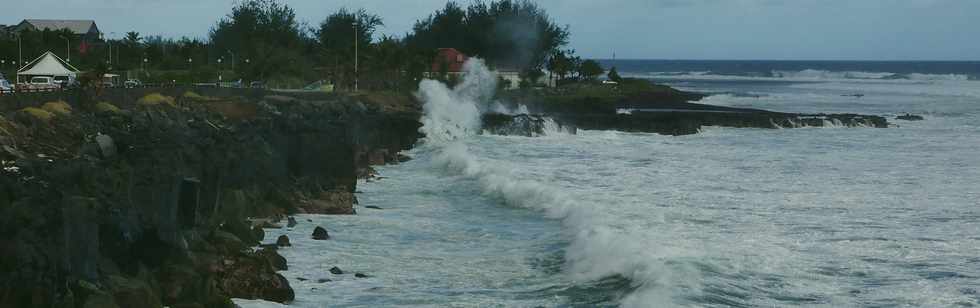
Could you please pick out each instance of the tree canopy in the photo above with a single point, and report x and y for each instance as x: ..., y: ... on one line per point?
x: 513, y: 34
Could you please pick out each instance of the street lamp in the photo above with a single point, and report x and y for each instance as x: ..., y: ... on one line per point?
x: 190, y: 64
x: 355, y: 56
x: 143, y: 65
x: 67, y: 48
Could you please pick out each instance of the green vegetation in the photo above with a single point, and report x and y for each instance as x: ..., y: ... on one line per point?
x: 60, y: 108
x: 38, y: 113
x: 107, y: 108
x: 154, y: 99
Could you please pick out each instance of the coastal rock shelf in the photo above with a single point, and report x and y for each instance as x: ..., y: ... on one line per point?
x: 139, y: 197
x: 673, y: 119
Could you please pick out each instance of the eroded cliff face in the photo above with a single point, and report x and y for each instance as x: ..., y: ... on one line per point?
x: 143, y: 202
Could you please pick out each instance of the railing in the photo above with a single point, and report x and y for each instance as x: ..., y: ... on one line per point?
x: 29, y: 90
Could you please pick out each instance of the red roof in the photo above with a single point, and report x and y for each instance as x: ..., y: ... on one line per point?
x: 451, y: 58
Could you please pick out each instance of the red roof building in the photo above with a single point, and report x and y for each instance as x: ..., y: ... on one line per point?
x: 449, y: 60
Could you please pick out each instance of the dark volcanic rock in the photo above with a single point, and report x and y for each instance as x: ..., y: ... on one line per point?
x: 359, y: 275
x: 910, y: 117
x: 373, y: 207
x: 291, y: 222
x: 336, y: 271
x: 323, y: 280
x: 520, y: 125
x: 277, y: 261
x: 335, y: 202
x: 283, y: 241
x: 320, y: 234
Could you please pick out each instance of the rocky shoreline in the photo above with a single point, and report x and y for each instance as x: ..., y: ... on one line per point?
x: 159, y: 197
x: 109, y: 202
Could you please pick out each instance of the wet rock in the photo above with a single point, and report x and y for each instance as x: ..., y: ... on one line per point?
x: 301, y: 279
x: 360, y: 275
x: 291, y: 222
x: 283, y: 241
x: 373, y: 207
x: 320, y: 234
x: 323, y: 280
x: 336, y: 271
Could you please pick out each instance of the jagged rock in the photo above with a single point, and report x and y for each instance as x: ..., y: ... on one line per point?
x: 336, y: 271
x: 320, y: 234
x: 283, y: 241
x: 291, y: 222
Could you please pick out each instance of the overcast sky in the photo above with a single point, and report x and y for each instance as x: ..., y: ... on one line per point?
x: 641, y: 29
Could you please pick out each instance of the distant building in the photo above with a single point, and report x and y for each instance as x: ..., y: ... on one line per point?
x: 85, y: 29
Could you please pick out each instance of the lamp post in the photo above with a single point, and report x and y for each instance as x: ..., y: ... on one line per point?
x: 355, y: 56
x: 219, y: 69
x: 232, y: 60
x: 67, y: 48
x: 190, y: 64
x: 143, y: 65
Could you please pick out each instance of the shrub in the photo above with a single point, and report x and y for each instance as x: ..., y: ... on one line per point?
x: 105, y: 107
x: 60, y: 108
x: 38, y: 113
x: 154, y: 99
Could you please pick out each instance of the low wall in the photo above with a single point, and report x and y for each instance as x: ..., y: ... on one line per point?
x: 117, y: 96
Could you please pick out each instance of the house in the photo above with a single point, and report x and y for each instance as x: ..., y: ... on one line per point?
x: 85, y: 29
x: 48, y: 65
x: 448, y: 61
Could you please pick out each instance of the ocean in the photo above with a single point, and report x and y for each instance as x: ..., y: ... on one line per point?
x: 807, y: 217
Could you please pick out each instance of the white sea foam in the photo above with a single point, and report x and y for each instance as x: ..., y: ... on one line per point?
x: 596, y: 251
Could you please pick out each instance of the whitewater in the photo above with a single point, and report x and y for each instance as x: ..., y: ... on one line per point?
x: 826, y: 217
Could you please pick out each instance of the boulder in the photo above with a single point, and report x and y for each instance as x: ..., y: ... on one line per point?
x: 291, y: 222
x: 283, y: 241
x: 336, y: 271
x: 320, y: 234
x: 910, y: 117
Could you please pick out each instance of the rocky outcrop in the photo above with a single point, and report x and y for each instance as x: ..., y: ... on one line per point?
x: 146, y: 206
x: 522, y: 125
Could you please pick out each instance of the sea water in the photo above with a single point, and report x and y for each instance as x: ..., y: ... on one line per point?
x: 827, y: 217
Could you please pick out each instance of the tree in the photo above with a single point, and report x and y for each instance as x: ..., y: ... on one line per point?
x: 614, y: 75
x: 514, y: 34
x: 590, y: 70
x: 267, y: 33
x: 338, y: 35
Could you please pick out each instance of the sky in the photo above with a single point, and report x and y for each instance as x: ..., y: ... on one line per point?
x: 630, y: 29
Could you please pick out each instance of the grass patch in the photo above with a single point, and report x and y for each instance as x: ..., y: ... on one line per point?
x: 154, y: 99
x: 6, y: 127
x: 105, y: 107
x: 38, y: 113
x: 60, y: 108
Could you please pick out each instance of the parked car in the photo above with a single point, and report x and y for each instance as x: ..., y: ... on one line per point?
x: 5, y: 85
x: 64, y: 81
x: 133, y: 83
x: 257, y: 85
x: 43, y: 83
